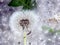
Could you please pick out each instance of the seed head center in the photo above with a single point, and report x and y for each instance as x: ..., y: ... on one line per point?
x: 24, y: 22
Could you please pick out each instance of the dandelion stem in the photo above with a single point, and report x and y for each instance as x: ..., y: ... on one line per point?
x: 25, y: 36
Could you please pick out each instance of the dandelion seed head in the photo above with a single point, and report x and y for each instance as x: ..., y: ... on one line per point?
x: 23, y: 18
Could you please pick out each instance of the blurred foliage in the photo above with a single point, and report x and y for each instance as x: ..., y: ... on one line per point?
x: 27, y: 4
x: 50, y: 29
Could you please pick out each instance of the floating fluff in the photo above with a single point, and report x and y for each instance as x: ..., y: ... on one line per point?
x: 16, y: 18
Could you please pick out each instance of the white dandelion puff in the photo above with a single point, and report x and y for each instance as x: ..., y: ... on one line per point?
x: 18, y: 16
